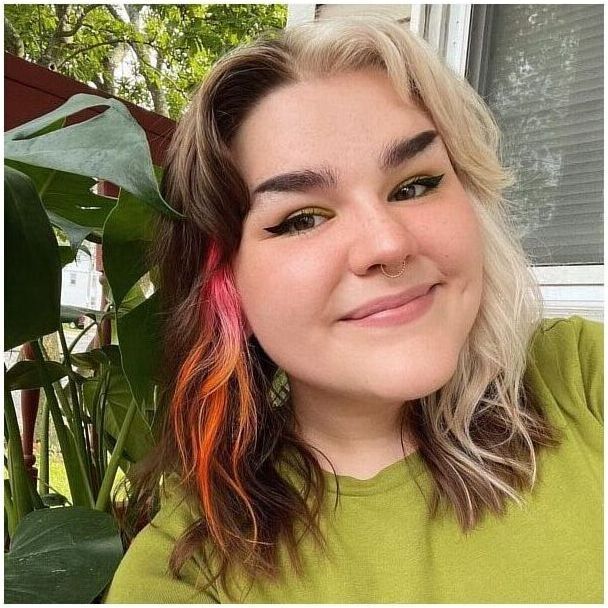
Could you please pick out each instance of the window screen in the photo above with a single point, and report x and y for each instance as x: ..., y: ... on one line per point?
x: 540, y: 69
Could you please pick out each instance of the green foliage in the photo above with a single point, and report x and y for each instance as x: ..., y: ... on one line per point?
x: 50, y: 545
x: 26, y: 374
x: 33, y: 271
x: 110, y: 146
x: 103, y: 416
x: 171, y: 46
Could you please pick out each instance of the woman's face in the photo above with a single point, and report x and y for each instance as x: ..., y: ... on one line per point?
x: 336, y: 148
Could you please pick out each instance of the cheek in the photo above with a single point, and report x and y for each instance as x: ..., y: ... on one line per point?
x: 456, y: 240
x: 278, y: 293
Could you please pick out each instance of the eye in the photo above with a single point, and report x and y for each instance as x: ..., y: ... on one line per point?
x: 415, y: 188
x: 306, y: 219
x: 302, y: 221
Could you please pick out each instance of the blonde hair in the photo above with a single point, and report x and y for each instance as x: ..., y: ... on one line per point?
x: 479, y: 434
x: 475, y: 465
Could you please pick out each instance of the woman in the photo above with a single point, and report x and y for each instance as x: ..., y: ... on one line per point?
x: 364, y: 403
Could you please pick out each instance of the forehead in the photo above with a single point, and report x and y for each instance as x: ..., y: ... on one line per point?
x: 340, y: 120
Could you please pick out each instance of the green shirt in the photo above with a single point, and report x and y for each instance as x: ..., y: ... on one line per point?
x: 383, y: 548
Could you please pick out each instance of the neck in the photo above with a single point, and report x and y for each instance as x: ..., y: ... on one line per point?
x: 358, y: 437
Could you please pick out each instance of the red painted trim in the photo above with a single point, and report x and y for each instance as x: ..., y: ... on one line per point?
x: 31, y: 91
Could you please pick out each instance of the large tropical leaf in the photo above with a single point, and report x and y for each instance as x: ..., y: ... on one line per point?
x: 73, y: 313
x: 139, y: 339
x: 27, y: 374
x: 66, y: 255
x: 110, y: 146
x: 66, y: 555
x: 69, y: 195
x: 75, y: 233
x: 32, y: 284
x: 127, y: 235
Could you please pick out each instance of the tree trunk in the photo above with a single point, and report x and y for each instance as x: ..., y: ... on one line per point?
x: 52, y: 52
x: 147, y: 66
x: 12, y: 41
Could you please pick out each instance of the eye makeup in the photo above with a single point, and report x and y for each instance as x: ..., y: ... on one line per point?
x: 303, y: 220
x: 299, y: 222
x: 428, y: 183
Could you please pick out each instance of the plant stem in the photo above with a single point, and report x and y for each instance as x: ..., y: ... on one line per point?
x: 88, y: 424
x: 74, y: 465
x: 97, y: 423
x: 9, y: 508
x: 43, y: 456
x: 103, y: 499
x: 18, y: 475
x: 101, y: 441
x: 64, y: 401
x: 78, y: 428
x: 77, y: 338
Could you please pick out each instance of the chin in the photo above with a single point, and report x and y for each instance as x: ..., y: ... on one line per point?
x: 415, y: 383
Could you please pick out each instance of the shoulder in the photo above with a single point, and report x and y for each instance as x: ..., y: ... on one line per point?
x: 566, y: 360
x: 143, y: 576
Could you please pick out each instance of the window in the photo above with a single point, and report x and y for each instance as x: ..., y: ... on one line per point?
x: 541, y: 73
x: 540, y: 69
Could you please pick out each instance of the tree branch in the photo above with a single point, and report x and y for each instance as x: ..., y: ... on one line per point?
x: 88, y: 8
x: 114, y: 13
x: 47, y: 57
x: 88, y: 48
x: 149, y: 43
x: 60, y: 11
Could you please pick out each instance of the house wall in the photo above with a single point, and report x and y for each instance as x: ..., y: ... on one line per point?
x: 399, y: 12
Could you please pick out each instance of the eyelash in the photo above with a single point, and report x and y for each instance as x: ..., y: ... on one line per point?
x: 287, y: 226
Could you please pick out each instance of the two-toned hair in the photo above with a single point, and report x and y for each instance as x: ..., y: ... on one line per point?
x: 229, y: 432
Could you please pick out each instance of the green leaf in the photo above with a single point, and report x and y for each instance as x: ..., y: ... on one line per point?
x: 21, y: 499
x: 75, y: 233
x: 139, y: 339
x: 126, y: 239
x: 139, y: 440
x: 58, y: 124
x: 110, y: 146
x: 26, y: 374
x: 77, y: 480
x: 66, y: 255
x: 32, y: 284
x: 92, y: 359
x: 66, y: 555
x: 68, y: 195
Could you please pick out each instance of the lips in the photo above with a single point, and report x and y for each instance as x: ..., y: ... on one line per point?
x: 388, y: 302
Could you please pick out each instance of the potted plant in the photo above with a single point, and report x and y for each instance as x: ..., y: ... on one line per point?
x: 102, y: 402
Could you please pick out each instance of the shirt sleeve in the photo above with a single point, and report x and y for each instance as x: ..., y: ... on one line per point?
x: 591, y: 355
x: 568, y: 365
x: 143, y: 575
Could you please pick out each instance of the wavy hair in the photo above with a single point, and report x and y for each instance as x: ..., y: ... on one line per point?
x: 229, y: 432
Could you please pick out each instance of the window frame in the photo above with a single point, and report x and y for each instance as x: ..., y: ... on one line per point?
x: 459, y: 33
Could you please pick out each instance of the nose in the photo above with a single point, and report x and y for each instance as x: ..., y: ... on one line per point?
x: 380, y: 236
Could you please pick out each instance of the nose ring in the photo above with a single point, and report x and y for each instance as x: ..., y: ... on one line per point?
x: 393, y: 276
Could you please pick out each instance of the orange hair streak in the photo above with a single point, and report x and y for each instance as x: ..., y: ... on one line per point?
x: 203, y: 404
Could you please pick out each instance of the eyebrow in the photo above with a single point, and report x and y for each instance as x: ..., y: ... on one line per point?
x: 394, y: 155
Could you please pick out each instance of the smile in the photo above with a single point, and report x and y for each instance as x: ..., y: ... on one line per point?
x: 400, y: 315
